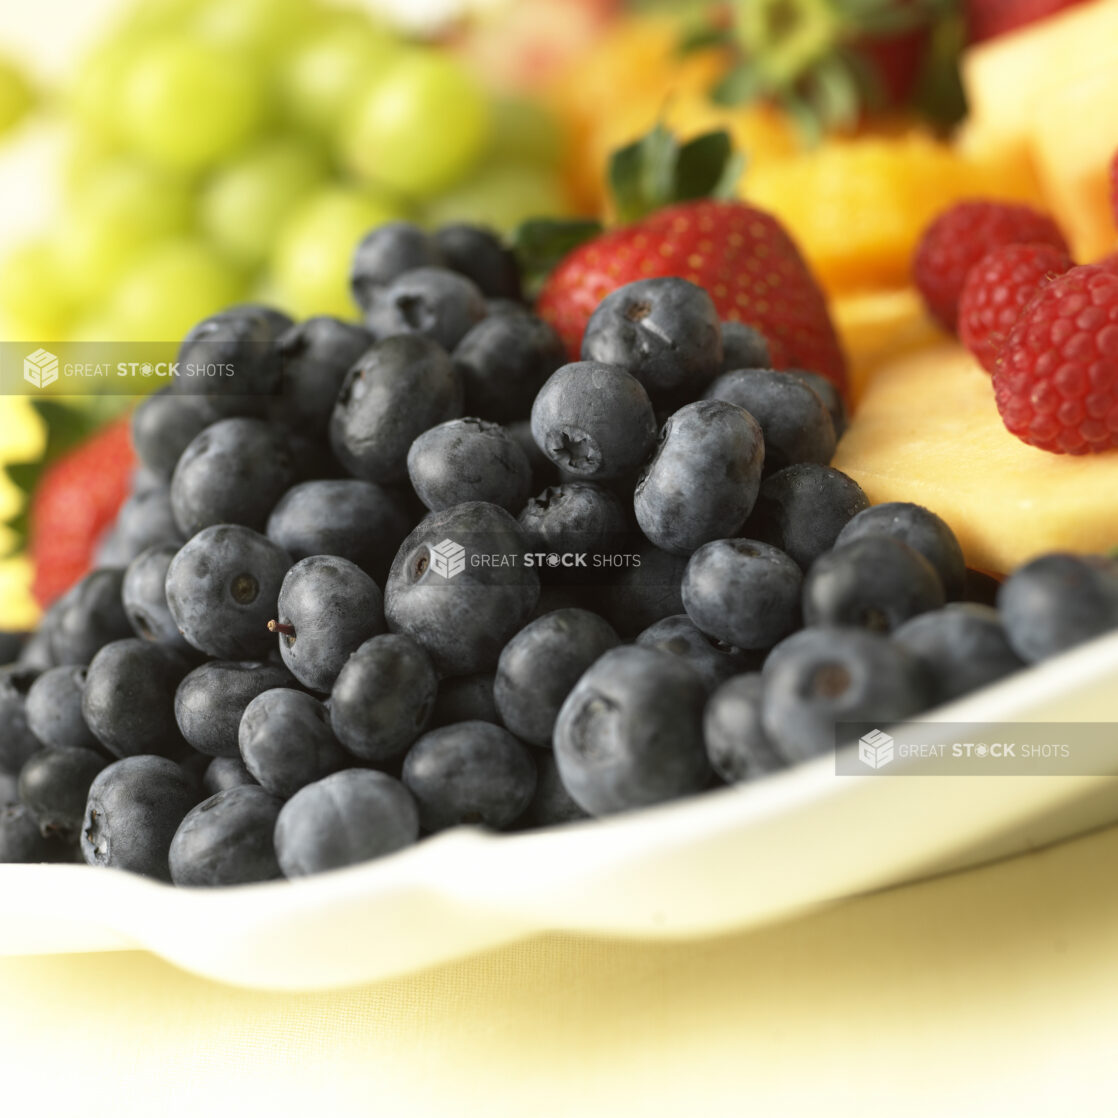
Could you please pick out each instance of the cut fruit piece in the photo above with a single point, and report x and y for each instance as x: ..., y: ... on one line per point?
x: 857, y: 207
x: 1008, y: 79
x: 1074, y: 139
x: 927, y: 431
x: 878, y: 327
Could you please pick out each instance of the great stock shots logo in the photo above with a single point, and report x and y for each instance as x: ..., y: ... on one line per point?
x: 40, y: 368
x: 448, y: 558
x: 875, y: 749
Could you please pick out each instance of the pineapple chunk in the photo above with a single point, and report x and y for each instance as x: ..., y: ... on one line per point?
x: 927, y: 431
x: 1074, y: 136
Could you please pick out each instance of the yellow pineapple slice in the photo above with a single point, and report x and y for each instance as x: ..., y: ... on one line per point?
x: 927, y: 431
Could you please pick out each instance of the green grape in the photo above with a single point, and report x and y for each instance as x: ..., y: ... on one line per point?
x: 16, y: 96
x: 121, y: 210
x: 525, y: 132
x: 418, y: 127
x: 501, y: 196
x: 172, y: 288
x: 189, y: 104
x: 320, y: 80
x: 97, y: 94
x: 243, y: 205
x: 315, y: 248
x: 34, y: 305
x: 264, y: 28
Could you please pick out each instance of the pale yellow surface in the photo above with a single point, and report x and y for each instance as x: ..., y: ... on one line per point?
x: 22, y: 438
x: 989, y: 994
x: 927, y: 430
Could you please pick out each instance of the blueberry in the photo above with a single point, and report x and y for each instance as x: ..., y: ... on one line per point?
x: 11, y: 644
x: 54, y: 786
x: 920, y: 529
x: 594, y: 421
x: 702, y: 482
x: 829, y: 394
x: 400, y: 388
x: 504, y: 361
x: 877, y: 582
x: 647, y: 591
x: 232, y: 473
x: 573, y: 518
x: 963, y: 647
x: 630, y: 734
x: 462, y: 617
x: 801, y: 509
x: 346, y: 818
x: 794, y: 420
x: 383, y: 697
x: 146, y: 519
x: 743, y: 347
x: 315, y: 356
x: 354, y: 519
x: 980, y: 587
x: 470, y: 772
x: 544, y: 472
x: 469, y: 460
x: 286, y: 741
x: 210, y: 701
x: 21, y: 840
x: 36, y: 652
x: 227, y: 840
x: 239, y: 343
x: 743, y: 592
x: 477, y: 252
x: 551, y: 805
x: 1057, y: 601
x: 465, y: 698
x: 164, y: 424
x: 737, y: 745
x: 665, y: 331
x: 713, y: 660
x: 222, y: 587
x: 129, y: 698
x: 434, y: 303
x: 17, y: 742
x: 9, y: 789
x: 541, y: 664
x: 819, y: 678
x: 54, y: 709
x: 387, y: 253
x: 225, y: 772
x: 144, y: 596
x: 327, y: 607
x: 88, y: 616
x: 134, y: 808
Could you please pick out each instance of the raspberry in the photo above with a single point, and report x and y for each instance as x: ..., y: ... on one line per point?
x: 961, y: 236
x: 996, y: 290
x: 1057, y: 382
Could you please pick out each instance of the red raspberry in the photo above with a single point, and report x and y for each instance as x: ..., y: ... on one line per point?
x: 961, y: 236
x: 1057, y: 382
x: 996, y: 290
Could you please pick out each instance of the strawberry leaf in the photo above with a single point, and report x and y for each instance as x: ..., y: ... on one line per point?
x: 708, y: 167
x: 540, y: 243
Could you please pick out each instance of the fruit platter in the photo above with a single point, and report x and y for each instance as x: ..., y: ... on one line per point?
x: 631, y: 470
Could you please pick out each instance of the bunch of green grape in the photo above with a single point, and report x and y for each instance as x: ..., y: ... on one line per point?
x: 225, y: 150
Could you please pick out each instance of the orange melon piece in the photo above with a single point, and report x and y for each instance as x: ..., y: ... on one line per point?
x: 857, y: 207
x: 927, y: 431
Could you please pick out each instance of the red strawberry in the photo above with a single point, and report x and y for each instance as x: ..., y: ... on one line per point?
x: 1056, y: 385
x: 742, y: 256
x: 996, y: 290
x: 960, y: 237
x: 987, y: 19
x: 1114, y: 187
x: 76, y: 499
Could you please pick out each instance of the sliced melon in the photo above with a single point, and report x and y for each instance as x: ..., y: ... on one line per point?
x: 927, y: 431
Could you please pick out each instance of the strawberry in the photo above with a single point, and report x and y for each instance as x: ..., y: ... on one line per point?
x: 987, y: 19
x: 76, y: 499
x: 744, y: 258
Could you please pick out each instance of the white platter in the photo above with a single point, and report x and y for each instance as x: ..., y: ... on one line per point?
x: 726, y: 860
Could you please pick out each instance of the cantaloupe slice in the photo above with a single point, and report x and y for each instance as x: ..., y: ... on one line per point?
x: 927, y: 431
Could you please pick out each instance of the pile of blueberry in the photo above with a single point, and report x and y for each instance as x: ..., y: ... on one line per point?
x: 332, y: 618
